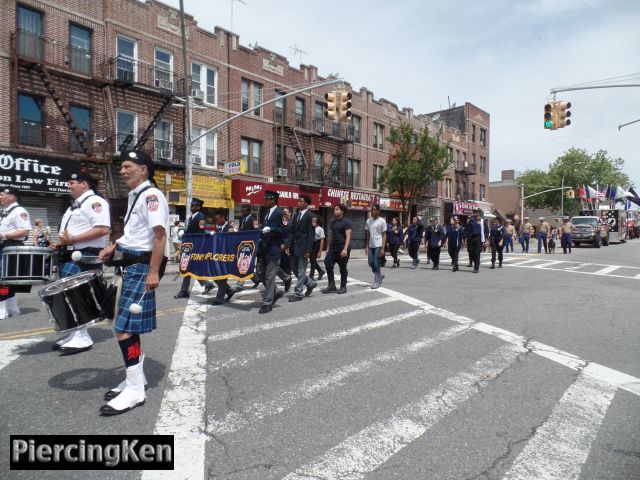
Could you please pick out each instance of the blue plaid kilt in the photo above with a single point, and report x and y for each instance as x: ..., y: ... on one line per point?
x: 133, y: 285
x: 69, y: 269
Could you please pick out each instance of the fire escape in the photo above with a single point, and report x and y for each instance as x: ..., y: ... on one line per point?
x: 463, y: 183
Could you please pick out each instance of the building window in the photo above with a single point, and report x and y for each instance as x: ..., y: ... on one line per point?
x: 207, y: 144
x: 251, y: 151
x: 378, y: 136
x: 79, y: 48
x: 82, y: 115
x: 279, y: 107
x: 483, y: 165
x: 448, y: 187
x: 335, y: 168
x: 126, y: 51
x: 473, y: 133
x: 204, y: 83
x: 30, y: 42
x: 353, y: 172
x: 30, y: 119
x: 126, y: 128
x: 357, y: 128
x: 464, y: 160
x: 251, y: 96
x: 196, y: 147
x: 211, y: 149
x: 279, y: 156
x: 318, y: 117
x: 483, y: 137
x: 163, y: 62
x: 473, y: 190
x: 299, y: 113
x: 163, y: 135
x: 482, y: 193
x: 377, y: 170
x: 473, y: 163
x: 318, y: 166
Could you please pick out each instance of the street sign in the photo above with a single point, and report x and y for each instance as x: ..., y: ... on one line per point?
x: 236, y: 167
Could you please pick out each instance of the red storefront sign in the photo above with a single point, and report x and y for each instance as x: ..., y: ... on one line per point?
x: 390, y: 204
x: 354, y: 200
x: 315, y: 197
x: 252, y: 193
x: 464, y: 208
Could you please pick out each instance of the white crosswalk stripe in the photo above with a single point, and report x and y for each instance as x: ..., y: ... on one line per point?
x: 10, y: 349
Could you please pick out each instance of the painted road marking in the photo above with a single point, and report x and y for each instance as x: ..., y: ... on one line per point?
x: 10, y: 349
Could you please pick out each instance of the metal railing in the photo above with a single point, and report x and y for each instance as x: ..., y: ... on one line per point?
x: 334, y: 129
x: 132, y: 71
x: 162, y: 151
x: 38, y: 48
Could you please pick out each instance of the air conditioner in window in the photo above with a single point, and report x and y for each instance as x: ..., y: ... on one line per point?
x: 197, y: 94
x: 165, y: 84
x: 281, y: 172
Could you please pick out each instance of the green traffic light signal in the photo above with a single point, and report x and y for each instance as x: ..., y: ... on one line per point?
x: 548, y: 122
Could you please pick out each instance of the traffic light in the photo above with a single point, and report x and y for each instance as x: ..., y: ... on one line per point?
x: 345, y: 105
x: 571, y: 194
x: 562, y: 109
x: 330, y: 104
x: 550, y: 116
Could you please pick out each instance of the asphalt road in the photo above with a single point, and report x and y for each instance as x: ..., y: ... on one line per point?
x: 525, y: 372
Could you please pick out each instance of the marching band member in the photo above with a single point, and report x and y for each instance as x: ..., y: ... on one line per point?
x: 141, y: 252
x: 224, y: 290
x: 84, y: 228
x: 14, y: 230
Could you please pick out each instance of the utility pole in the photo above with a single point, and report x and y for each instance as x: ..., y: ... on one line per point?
x: 187, y: 95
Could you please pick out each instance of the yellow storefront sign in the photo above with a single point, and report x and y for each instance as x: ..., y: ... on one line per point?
x: 214, y: 190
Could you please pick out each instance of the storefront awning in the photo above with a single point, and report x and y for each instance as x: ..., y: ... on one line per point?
x: 353, y: 199
x: 251, y: 192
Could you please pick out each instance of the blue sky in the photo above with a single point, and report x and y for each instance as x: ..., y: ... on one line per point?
x: 501, y: 55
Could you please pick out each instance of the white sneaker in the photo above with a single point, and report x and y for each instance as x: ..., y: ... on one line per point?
x: 80, y: 341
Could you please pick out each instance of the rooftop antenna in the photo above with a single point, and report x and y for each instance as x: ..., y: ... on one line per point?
x: 298, y: 51
x: 232, y: 2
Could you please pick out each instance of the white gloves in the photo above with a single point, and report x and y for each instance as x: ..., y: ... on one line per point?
x: 266, y: 230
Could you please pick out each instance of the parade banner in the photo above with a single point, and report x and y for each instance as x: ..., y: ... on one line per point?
x: 218, y: 256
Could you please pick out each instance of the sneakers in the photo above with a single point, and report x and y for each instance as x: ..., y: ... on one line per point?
x: 80, y: 342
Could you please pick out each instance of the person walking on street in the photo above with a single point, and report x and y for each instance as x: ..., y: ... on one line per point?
x: 303, y: 237
x: 196, y: 224
x: 40, y: 234
x: 394, y: 236
x: 434, y: 238
x: 525, y: 232
x: 415, y: 233
x: 338, y: 249
x: 246, y: 222
x: 543, y: 234
x: 284, y: 271
x: 511, y: 234
x: 175, y: 237
x: 225, y: 292
x: 567, y: 232
x: 497, y: 237
x: 271, y: 241
x: 478, y: 236
x: 455, y: 235
x: 318, y: 245
x: 375, y: 240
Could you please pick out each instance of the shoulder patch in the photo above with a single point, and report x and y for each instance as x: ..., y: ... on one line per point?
x: 97, y: 207
x: 24, y: 216
x: 152, y: 203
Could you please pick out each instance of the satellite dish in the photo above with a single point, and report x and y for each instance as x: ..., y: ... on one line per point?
x: 436, y: 117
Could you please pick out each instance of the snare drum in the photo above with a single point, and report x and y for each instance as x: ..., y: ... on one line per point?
x: 76, y: 301
x: 27, y: 265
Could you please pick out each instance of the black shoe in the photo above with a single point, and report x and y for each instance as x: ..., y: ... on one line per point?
x: 287, y: 285
x: 181, y: 295
x: 279, y: 294
x: 207, y: 288
x: 73, y: 350
x: 111, y: 394
x: 454, y: 269
x: 436, y: 267
x: 256, y: 283
x: 230, y: 293
x: 320, y: 275
x: 295, y: 298
x: 493, y: 266
x: 218, y: 301
x: 341, y: 290
x: 109, y: 411
x: 310, y: 289
x: 500, y: 265
x: 475, y: 270
x: 265, y: 309
x: 329, y: 288
x: 469, y: 265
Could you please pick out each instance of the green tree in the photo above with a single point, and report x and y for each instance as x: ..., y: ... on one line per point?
x: 415, y: 161
x: 578, y: 168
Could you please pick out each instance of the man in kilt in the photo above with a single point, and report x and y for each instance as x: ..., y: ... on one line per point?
x: 141, y: 253
x: 84, y: 228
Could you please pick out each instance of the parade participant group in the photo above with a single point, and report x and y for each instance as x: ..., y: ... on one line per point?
x: 290, y: 243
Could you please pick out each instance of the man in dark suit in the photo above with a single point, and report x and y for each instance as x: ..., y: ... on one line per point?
x: 222, y: 226
x: 246, y: 222
x: 301, y: 245
x: 478, y: 235
x: 195, y: 224
x: 273, y: 233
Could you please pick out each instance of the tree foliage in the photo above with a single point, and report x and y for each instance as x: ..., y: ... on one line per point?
x: 416, y: 160
x: 578, y: 168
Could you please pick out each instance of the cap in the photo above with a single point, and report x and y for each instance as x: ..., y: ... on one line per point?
x: 566, y: 218
x: 83, y: 176
x: 480, y: 211
x: 197, y: 202
x: 526, y: 218
x: 509, y: 220
x: 540, y: 218
x: 10, y: 190
x: 140, y: 158
x: 456, y: 219
x: 270, y: 194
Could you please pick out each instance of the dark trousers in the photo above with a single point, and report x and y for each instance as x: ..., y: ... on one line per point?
x: 267, y: 270
x: 223, y: 289
x: 186, y: 281
x: 434, y: 254
x: 284, y: 272
x: 315, y: 267
x: 454, y: 252
x: 333, y: 257
x: 496, y: 248
x: 475, y: 248
x: 566, y: 242
x: 508, y: 242
x: 414, y: 249
x: 524, y: 241
x: 393, y: 249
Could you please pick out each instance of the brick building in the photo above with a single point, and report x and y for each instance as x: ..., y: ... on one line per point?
x: 82, y: 81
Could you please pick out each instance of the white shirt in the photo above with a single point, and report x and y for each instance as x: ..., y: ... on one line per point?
x: 18, y: 219
x: 271, y: 210
x: 376, y: 227
x: 319, y: 233
x: 151, y: 210
x: 92, y: 212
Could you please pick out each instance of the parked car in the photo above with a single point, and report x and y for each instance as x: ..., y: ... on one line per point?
x: 590, y: 229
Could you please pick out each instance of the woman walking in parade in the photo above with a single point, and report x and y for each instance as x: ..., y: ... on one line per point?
x: 394, y: 237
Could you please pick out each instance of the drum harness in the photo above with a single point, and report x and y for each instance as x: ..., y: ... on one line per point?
x: 65, y: 256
